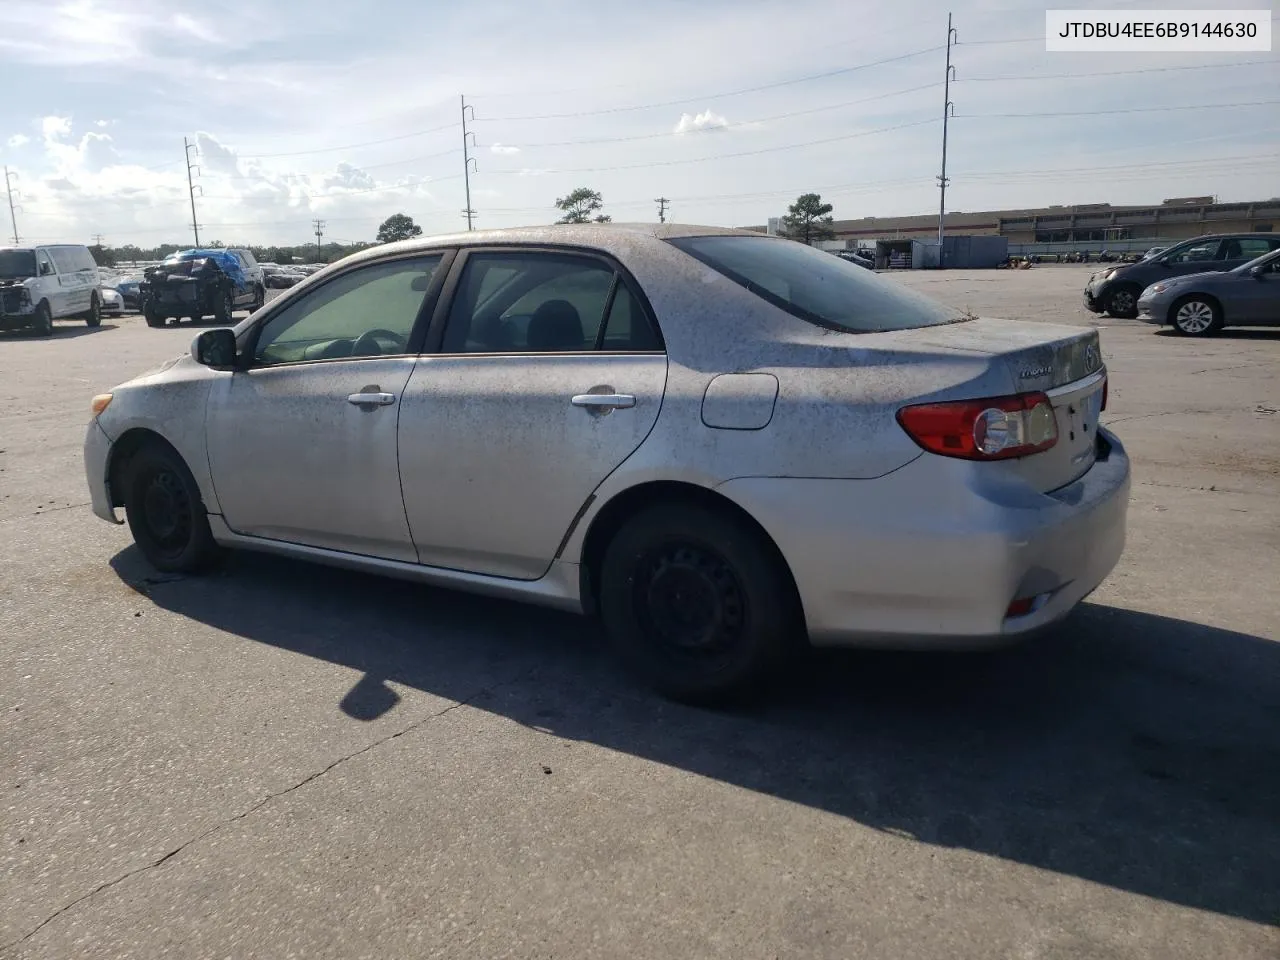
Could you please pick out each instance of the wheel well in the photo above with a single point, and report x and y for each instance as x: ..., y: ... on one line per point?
x: 631, y: 501
x: 122, y: 453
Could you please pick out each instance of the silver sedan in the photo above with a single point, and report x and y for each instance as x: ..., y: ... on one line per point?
x: 1201, y: 304
x: 723, y: 444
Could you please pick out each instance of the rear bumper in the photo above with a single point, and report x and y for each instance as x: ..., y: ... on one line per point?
x: 932, y: 555
x: 97, y: 457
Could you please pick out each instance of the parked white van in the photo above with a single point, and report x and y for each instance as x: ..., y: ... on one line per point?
x: 47, y: 282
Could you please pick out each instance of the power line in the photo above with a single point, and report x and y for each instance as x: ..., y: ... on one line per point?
x: 1118, y: 73
x: 1099, y: 113
x: 730, y: 156
x: 739, y: 124
x: 717, y: 96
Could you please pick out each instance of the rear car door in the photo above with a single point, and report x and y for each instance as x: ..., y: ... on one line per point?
x: 546, y: 373
x: 302, y: 443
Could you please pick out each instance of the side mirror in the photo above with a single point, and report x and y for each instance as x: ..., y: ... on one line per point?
x: 1257, y: 272
x: 215, y: 348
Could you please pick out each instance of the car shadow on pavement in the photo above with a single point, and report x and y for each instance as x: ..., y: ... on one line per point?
x: 1125, y: 748
x: 60, y: 332
x: 1227, y: 333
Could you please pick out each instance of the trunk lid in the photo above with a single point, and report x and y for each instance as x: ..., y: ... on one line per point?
x: 1063, y: 362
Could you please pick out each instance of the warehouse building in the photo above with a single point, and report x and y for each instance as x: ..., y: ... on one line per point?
x: 1061, y: 229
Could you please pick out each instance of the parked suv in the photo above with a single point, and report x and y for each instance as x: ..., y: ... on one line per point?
x: 197, y: 284
x: 1115, y: 290
x: 253, y: 270
x: 43, y: 283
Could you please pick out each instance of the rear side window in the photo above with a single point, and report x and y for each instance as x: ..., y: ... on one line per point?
x: 1205, y: 250
x: 817, y: 286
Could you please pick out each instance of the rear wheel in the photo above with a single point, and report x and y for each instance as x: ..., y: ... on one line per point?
x: 94, y: 317
x: 1196, y: 316
x: 259, y: 296
x: 166, y: 514
x: 694, y: 601
x: 42, y: 321
x: 1123, y: 303
x: 151, y: 316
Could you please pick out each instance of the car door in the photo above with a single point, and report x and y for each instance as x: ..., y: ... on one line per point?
x: 548, y: 374
x: 1256, y: 296
x: 302, y: 442
x: 48, y: 287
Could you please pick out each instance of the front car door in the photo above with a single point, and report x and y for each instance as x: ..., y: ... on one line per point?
x: 548, y: 374
x: 1256, y: 299
x: 1203, y: 257
x: 48, y: 286
x: 302, y: 443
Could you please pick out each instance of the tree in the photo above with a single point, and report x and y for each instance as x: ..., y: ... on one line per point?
x: 102, y: 256
x: 398, y: 226
x: 579, y: 206
x: 808, y: 219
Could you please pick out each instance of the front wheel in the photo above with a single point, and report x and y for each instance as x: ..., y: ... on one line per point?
x: 224, y: 308
x: 166, y: 513
x: 696, y: 601
x: 42, y: 322
x: 152, y: 317
x: 1123, y: 303
x: 94, y: 316
x: 1196, y: 316
x: 259, y: 297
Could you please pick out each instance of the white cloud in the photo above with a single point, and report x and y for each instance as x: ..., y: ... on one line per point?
x: 501, y: 149
x: 55, y: 128
x: 18, y: 140
x: 97, y: 152
x: 700, y: 121
x: 102, y: 123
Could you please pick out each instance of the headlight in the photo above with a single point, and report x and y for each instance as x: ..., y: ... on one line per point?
x: 1108, y: 273
x: 100, y: 403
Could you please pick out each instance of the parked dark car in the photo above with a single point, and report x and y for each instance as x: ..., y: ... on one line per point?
x: 853, y: 256
x: 128, y: 289
x: 1201, y: 304
x: 196, y: 284
x: 1116, y: 289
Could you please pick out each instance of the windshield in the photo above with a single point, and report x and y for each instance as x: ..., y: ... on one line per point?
x: 17, y: 264
x: 816, y: 286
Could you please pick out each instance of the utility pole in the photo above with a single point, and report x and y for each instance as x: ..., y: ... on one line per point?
x: 319, y: 225
x: 191, y: 186
x: 13, y: 217
x: 97, y: 239
x: 947, y: 108
x: 662, y: 209
x: 467, y: 159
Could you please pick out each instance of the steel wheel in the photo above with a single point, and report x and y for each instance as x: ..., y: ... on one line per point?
x: 165, y: 513
x: 689, y: 601
x: 1194, y: 317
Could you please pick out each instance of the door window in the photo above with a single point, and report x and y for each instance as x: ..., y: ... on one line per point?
x: 368, y: 312
x: 1208, y: 250
x: 46, y: 265
x: 1247, y: 248
x: 528, y: 303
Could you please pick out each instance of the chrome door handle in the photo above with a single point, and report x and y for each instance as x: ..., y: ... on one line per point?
x: 604, y: 401
x: 371, y: 399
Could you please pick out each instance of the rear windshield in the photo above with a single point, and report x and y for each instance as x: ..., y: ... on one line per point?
x: 817, y: 286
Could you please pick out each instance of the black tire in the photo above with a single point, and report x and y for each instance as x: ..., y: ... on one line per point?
x: 94, y: 317
x: 1122, y: 302
x: 259, y: 296
x: 153, y: 319
x: 223, y: 309
x: 697, y: 603
x: 42, y: 320
x: 166, y: 513
x: 1195, y: 315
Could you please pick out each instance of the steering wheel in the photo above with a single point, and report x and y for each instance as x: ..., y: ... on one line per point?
x: 369, y: 343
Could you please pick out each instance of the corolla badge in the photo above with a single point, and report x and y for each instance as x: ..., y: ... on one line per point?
x: 1031, y: 373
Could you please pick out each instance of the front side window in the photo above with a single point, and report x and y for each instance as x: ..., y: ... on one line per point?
x: 816, y: 286
x: 46, y: 264
x: 529, y: 303
x: 370, y: 311
x: 1195, y: 252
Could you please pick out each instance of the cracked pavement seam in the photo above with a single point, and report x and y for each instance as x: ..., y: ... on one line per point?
x: 13, y: 945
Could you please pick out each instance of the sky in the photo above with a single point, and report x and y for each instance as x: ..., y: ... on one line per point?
x: 350, y: 112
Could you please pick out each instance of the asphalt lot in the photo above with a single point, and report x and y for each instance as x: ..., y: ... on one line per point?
x: 282, y: 760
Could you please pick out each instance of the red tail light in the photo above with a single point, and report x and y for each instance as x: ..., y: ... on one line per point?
x: 996, y: 428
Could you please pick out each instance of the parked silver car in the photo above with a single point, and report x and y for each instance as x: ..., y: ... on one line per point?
x: 1201, y: 304
x: 723, y: 443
